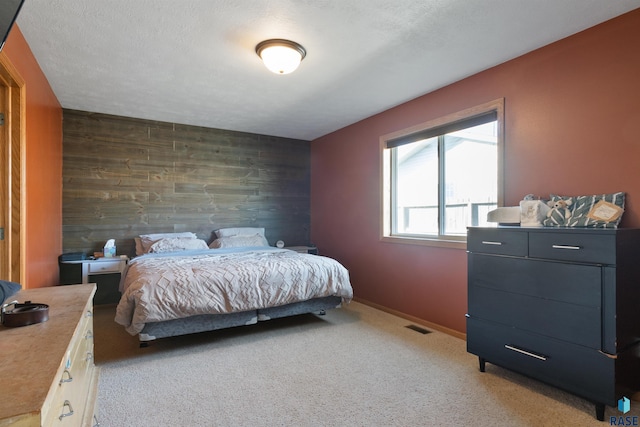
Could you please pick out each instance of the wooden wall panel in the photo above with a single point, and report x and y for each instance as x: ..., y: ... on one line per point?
x: 123, y: 177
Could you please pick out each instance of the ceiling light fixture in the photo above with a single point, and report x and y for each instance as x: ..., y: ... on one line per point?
x: 280, y: 56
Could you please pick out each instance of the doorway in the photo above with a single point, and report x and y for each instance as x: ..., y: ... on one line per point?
x: 12, y: 133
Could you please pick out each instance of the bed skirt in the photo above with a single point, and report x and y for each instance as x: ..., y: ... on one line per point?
x: 212, y: 322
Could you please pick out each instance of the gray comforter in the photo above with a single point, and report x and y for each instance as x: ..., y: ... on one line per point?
x: 168, y: 286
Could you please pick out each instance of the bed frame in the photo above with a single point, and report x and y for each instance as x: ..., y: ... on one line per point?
x: 212, y: 322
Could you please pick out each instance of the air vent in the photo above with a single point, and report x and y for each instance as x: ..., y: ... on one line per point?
x: 418, y: 329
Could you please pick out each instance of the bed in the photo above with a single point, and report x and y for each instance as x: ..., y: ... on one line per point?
x: 177, y: 284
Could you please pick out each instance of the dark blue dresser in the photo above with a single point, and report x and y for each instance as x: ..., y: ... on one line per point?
x: 561, y: 305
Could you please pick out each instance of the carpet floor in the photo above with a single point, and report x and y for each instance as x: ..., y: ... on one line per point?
x: 355, y: 366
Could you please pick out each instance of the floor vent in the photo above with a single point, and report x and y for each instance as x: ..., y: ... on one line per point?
x: 418, y: 329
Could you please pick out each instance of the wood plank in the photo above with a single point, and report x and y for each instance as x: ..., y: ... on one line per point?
x: 123, y: 177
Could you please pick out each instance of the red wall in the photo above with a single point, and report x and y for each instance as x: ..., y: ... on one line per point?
x: 572, y: 126
x: 43, y: 169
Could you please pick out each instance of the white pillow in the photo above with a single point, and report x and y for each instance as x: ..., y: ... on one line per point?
x: 238, y: 242
x: 240, y: 231
x: 173, y: 244
x: 146, y: 240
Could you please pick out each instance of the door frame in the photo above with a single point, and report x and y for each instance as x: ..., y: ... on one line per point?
x: 14, y: 131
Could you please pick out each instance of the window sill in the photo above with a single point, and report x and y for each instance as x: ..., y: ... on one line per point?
x: 426, y: 241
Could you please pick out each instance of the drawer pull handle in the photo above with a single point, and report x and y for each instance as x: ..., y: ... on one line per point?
x: 66, y: 380
x: 89, y: 357
x: 67, y: 414
x: 527, y: 353
x: 610, y: 356
x: 89, y: 313
x: 574, y: 248
x: 489, y: 242
x: 89, y: 335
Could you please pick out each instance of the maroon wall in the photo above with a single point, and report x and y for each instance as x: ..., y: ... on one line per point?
x: 572, y: 126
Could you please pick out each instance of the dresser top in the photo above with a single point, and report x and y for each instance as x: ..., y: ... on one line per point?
x: 577, y: 230
x: 30, y: 356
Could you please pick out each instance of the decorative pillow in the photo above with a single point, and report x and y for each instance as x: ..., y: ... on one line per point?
x: 240, y: 231
x: 600, y: 210
x: 139, y: 249
x: 173, y: 244
x: 238, y: 241
x: 7, y: 289
x: 146, y: 240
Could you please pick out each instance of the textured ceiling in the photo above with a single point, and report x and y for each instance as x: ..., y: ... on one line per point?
x: 193, y: 62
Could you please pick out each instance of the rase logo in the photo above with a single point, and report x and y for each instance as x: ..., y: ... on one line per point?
x: 624, y: 405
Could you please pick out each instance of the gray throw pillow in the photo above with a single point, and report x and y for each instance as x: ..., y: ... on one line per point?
x: 8, y: 289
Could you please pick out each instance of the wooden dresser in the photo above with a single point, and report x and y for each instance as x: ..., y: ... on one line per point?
x: 559, y: 305
x: 48, y: 371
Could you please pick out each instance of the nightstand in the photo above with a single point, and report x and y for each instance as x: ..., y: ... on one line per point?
x: 104, y: 272
x: 303, y: 249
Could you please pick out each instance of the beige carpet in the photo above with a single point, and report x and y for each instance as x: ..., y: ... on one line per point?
x: 356, y: 366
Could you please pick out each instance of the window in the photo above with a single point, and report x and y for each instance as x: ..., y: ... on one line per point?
x: 442, y: 176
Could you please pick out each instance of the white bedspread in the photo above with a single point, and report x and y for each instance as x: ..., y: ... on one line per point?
x: 168, y: 286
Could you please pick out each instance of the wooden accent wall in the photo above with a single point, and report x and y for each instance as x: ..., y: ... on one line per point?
x: 123, y: 177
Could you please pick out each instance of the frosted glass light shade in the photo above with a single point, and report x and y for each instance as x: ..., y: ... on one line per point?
x: 280, y: 56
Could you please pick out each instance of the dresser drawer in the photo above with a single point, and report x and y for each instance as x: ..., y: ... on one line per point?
x: 52, y: 412
x: 63, y: 411
x: 497, y: 241
x: 572, y: 283
x: 72, y: 385
x: 576, y: 324
x: 589, y: 248
x: 577, y: 369
x: 559, y: 300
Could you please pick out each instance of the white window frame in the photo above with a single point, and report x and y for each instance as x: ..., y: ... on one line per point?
x: 459, y: 242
